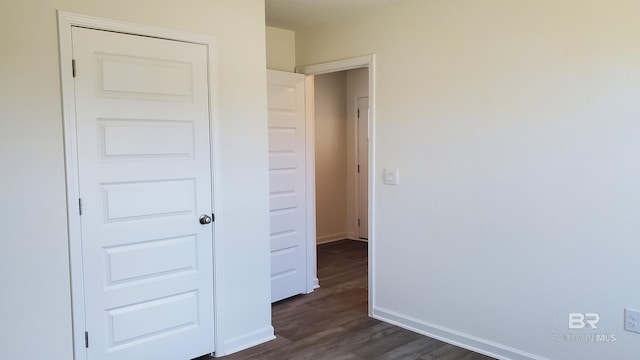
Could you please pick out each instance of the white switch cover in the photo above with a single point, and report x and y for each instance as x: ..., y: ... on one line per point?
x: 390, y: 176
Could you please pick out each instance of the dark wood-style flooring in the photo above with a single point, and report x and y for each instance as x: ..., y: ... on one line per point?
x: 332, y: 323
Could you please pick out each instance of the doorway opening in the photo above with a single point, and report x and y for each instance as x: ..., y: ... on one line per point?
x: 345, y: 259
x: 341, y: 155
x: 359, y: 137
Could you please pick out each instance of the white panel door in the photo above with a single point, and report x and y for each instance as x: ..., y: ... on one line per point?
x: 285, y: 99
x: 363, y: 168
x: 144, y: 174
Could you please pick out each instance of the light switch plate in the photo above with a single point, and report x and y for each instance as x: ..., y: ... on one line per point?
x: 390, y: 176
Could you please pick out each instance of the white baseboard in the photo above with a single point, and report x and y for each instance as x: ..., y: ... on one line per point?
x: 331, y: 238
x: 352, y: 236
x: 337, y: 237
x: 453, y: 337
x: 246, y: 341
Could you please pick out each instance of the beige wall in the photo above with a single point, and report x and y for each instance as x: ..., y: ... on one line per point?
x: 281, y: 49
x: 330, y: 149
x: 514, y: 125
x: 34, y: 259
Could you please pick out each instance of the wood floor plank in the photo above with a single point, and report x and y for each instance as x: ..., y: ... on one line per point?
x: 412, y: 350
x: 332, y: 322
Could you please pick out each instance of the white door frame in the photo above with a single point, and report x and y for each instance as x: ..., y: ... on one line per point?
x: 66, y: 21
x: 310, y: 162
x: 367, y: 61
x: 357, y: 142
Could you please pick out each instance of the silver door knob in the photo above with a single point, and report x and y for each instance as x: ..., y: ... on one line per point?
x: 205, y: 219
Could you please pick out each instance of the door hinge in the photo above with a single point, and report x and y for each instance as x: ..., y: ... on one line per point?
x: 73, y: 67
x: 86, y: 339
x: 80, y: 205
x: 358, y: 222
x: 358, y: 168
x: 358, y: 110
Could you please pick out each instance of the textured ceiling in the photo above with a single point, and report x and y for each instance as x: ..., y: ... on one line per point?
x: 297, y: 14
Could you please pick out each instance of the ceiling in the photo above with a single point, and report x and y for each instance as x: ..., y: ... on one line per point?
x: 297, y: 14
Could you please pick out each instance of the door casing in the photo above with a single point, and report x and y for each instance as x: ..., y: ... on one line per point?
x: 366, y: 61
x: 66, y: 21
x: 362, y: 203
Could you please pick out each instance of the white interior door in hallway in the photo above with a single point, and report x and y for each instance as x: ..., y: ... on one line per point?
x: 363, y: 168
x: 287, y: 183
x: 143, y: 144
